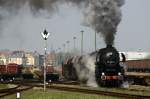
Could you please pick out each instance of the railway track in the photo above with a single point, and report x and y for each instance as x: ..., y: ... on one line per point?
x: 98, y: 92
x: 86, y: 90
x: 6, y: 89
x: 10, y: 91
x: 36, y: 81
x: 93, y: 91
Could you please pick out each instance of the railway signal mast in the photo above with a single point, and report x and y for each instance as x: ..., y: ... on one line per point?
x: 45, y: 35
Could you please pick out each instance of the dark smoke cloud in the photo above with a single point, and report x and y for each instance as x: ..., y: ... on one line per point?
x: 49, y: 5
x: 101, y: 15
x: 12, y: 5
x: 104, y: 16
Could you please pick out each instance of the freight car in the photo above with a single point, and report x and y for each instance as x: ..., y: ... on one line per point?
x: 51, y: 74
x: 68, y: 70
x: 10, y: 71
x: 27, y: 72
x: 31, y: 73
x: 108, y: 70
x: 138, y: 71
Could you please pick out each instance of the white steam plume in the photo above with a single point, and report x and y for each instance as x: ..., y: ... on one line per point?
x: 85, y: 68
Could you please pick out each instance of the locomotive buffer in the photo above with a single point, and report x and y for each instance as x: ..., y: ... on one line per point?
x: 45, y: 35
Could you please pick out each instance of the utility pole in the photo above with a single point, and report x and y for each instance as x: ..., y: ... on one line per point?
x: 68, y: 45
x: 95, y: 37
x: 82, y: 42
x: 64, y: 47
x: 45, y: 35
x: 95, y: 41
x: 74, y: 39
x: 59, y: 56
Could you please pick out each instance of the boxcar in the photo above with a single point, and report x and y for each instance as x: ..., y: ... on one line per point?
x: 138, y: 71
x: 10, y: 71
x: 51, y: 74
x: 27, y: 72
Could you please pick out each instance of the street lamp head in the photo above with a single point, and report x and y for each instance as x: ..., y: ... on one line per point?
x: 74, y: 37
x: 68, y: 42
x: 82, y: 31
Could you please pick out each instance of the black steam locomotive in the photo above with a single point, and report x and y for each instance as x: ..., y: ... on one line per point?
x: 108, y: 70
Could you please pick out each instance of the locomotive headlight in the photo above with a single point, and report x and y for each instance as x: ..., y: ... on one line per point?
x: 103, y: 77
x: 103, y: 73
x: 119, y: 74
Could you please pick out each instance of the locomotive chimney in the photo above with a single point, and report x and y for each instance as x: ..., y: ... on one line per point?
x: 108, y: 46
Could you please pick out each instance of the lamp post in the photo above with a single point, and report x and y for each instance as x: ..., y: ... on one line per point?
x: 45, y: 35
x: 95, y: 41
x: 64, y: 47
x: 68, y: 45
x: 74, y: 39
x: 82, y: 42
x: 59, y: 56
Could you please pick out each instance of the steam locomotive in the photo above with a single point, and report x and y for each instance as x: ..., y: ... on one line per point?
x: 108, y: 70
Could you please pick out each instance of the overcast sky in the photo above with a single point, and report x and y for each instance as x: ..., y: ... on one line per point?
x: 22, y: 31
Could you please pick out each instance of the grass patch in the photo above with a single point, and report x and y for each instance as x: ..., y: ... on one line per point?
x: 54, y: 94
x: 3, y: 86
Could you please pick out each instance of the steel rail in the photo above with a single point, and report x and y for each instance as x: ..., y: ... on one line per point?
x: 11, y: 91
x: 89, y: 91
x: 93, y: 91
